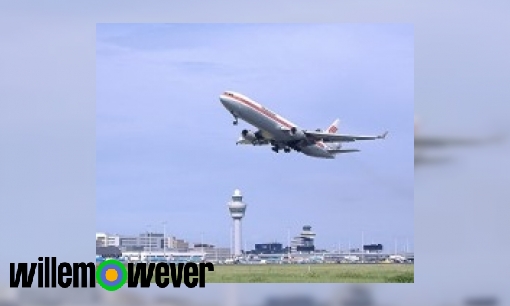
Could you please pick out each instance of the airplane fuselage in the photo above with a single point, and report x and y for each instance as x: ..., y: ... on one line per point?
x: 269, y: 123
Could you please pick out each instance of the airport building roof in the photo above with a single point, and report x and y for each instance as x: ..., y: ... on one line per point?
x: 109, y: 251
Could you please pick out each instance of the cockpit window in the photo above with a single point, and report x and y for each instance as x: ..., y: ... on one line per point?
x: 229, y: 94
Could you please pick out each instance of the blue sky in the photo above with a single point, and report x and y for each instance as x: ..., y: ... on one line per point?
x: 166, y: 146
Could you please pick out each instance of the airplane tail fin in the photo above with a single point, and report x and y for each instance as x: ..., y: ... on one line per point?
x: 333, y: 128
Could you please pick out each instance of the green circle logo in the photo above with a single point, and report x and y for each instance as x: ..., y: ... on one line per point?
x: 111, y: 275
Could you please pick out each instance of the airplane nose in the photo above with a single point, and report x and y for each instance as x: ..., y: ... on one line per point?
x: 226, y: 102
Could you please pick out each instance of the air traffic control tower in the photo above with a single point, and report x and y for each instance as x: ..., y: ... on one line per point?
x: 237, y: 209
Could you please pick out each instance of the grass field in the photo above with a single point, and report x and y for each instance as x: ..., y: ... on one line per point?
x: 316, y: 273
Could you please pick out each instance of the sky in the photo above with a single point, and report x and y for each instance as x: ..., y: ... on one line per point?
x: 166, y: 146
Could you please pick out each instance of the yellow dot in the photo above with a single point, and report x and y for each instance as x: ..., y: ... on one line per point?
x: 111, y: 275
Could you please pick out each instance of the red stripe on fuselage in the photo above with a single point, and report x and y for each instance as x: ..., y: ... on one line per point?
x: 262, y: 111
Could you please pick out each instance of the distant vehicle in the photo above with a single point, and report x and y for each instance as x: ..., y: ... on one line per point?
x: 397, y: 258
x: 351, y: 258
x: 280, y: 133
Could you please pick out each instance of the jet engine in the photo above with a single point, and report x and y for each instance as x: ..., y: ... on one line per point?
x: 248, y: 135
x: 294, y: 132
x: 336, y: 146
x: 258, y: 135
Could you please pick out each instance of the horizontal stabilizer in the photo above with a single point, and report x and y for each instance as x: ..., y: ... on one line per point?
x: 337, y: 151
x: 330, y: 137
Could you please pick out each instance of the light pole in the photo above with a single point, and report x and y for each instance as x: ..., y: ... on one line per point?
x: 288, y: 243
x: 362, y: 249
x: 150, y: 242
x: 202, y: 241
x: 216, y: 252
x: 245, y: 249
x: 164, y: 241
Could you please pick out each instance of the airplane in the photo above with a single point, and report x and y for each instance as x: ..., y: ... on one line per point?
x: 280, y: 133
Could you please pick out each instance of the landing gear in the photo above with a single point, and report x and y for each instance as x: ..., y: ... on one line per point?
x: 287, y: 148
x: 235, y: 119
x: 277, y: 149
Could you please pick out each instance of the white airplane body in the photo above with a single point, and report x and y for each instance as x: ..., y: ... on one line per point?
x: 283, y: 134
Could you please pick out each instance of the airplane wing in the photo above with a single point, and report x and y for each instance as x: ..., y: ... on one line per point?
x: 258, y: 142
x: 331, y: 137
x: 339, y: 151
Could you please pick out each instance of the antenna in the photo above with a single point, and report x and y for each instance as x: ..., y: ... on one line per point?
x: 164, y: 240
x: 288, y: 243
x: 362, y: 250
